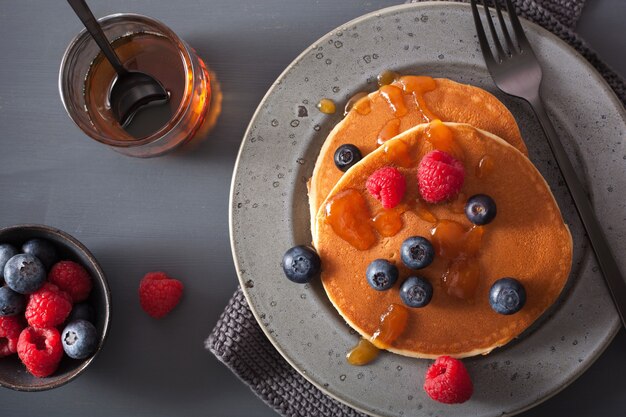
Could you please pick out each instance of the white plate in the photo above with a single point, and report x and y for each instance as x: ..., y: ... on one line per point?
x: 269, y: 210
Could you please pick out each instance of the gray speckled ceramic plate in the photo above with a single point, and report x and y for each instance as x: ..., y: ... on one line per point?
x: 269, y: 210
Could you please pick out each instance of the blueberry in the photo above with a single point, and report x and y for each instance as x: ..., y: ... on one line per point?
x: 11, y: 303
x: 381, y: 274
x: 24, y: 273
x: 416, y: 292
x: 346, y: 156
x: 42, y: 249
x: 417, y: 252
x: 507, y: 296
x: 6, y: 252
x: 301, y: 263
x: 79, y: 339
x: 480, y: 209
x: 82, y: 311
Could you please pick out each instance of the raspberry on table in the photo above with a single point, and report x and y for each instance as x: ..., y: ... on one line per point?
x: 387, y: 185
x: 159, y: 294
x: 448, y: 381
x: 10, y: 329
x: 439, y: 176
x: 48, y: 307
x: 40, y: 350
x: 71, y: 278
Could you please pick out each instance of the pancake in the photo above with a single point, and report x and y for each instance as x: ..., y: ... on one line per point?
x: 387, y: 113
x: 527, y: 240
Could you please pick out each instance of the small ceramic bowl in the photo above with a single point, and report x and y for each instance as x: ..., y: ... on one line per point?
x: 13, y: 374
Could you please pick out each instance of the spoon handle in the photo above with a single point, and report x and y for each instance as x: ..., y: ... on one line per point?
x: 93, y: 27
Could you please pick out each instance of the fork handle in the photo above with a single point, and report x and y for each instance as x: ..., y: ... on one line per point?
x: 600, y: 246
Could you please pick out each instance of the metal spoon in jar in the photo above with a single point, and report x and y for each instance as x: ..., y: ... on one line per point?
x: 131, y: 90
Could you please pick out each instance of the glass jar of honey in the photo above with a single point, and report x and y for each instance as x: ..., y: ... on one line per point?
x: 147, y: 45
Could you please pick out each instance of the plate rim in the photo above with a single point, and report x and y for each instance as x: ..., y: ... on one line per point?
x: 607, y: 91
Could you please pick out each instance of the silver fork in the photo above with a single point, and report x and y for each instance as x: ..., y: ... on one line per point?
x: 517, y: 72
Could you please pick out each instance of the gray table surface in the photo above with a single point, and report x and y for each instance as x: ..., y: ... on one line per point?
x: 171, y: 213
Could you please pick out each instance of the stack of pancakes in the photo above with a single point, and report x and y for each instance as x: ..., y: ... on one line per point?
x: 528, y: 239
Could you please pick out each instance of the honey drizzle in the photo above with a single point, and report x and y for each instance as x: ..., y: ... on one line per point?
x: 460, y: 246
x: 363, y: 353
x: 452, y: 240
x: 400, y: 153
x: 484, y: 167
x: 326, y: 106
x: 418, y: 86
x: 394, y: 97
x: 386, y: 77
x: 461, y: 278
x: 423, y: 212
x: 363, y: 106
x: 360, y: 102
x: 392, y: 323
x: 391, y: 129
x: 349, y: 216
x: 388, y: 222
x: 441, y: 138
x: 458, y: 205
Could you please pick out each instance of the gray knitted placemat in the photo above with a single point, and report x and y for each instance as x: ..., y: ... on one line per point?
x: 238, y: 341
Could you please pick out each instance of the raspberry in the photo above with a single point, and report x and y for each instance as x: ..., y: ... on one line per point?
x: 387, y: 185
x: 448, y: 382
x: 48, y: 307
x: 159, y: 294
x: 40, y: 350
x: 71, y: 278
x: 10, y: 329
x: 439, y: 176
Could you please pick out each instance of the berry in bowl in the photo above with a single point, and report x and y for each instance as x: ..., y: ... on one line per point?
x: 54, y: 307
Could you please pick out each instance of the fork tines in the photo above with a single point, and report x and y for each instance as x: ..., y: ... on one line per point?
x: 510, y: 48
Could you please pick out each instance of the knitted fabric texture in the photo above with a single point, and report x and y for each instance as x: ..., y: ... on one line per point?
x: 238, y: 341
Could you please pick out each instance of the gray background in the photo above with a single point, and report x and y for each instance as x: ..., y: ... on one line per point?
x: 171, y: 213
